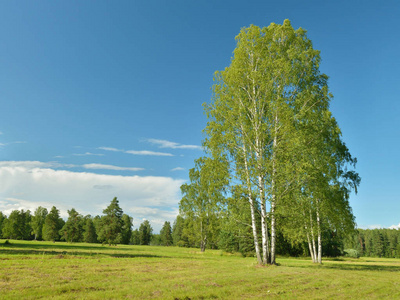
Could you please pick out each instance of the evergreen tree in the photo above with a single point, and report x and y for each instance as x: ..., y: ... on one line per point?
x: 166, y: 234
x: 89, y: 231
x: 145, y: 233
x: 126, y: 229
x: 52, y: 225
x: 177, y: 229
x: 111, y: 224
x: 72, y: 231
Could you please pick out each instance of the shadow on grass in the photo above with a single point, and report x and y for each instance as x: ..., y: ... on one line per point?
x: 64, y: 250
x: 353, y: 267
x: 362, y: 267
x: 64, y: 246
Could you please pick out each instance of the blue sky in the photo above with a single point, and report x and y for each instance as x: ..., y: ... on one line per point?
x: 104, y: 98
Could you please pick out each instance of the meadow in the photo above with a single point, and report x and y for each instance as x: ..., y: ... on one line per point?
x: 34, y: 270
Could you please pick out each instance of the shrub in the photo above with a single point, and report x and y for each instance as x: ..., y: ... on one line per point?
x: 351, y: 253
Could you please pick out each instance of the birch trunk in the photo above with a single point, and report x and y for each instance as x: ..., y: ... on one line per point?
x: 252, y: 210
x: 264, y: 223
x: 273, y: 192
x: 319, y: 235
x: 310, y: 247
x: 314, y: 255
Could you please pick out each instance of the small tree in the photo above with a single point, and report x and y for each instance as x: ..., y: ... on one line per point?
x: 145, y: 232
x: 135, y: 238
x: 126, y: 229
x: 166, y: 234
x: 177, y: 229
x: 111, y: 224
x: 37, y: 222
x: 89, y: 234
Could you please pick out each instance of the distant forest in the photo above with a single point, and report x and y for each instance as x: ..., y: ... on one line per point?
x: 115, y: 227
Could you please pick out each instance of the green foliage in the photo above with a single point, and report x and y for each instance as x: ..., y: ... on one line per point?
x: 37, y: 222
x: 72, y: 231
x: 375, y: 242
x: 111, y: 224
x: 351, y: 253
x: 52, y: 225
x: 89, y: 234
x: 145, y: 233
x: 135, y: 238
x: 166, y: 234
x: 3, y: 217
x: 177, y: 229
x: 202, y: 199
x: 156, y: 240
x: 126, y: 232
x: 17, y: 226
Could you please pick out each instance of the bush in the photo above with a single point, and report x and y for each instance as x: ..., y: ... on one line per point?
x: 351, y: 253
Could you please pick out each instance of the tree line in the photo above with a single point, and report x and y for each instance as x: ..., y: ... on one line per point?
x: 382, y: 242
x: 114, y: 227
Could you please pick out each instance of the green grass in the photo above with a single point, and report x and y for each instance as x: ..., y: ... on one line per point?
x: 34, y: 270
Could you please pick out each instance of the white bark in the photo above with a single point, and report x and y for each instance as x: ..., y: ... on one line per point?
x: 273, y: 192
x: 252, y: 210
x: 319, y: 235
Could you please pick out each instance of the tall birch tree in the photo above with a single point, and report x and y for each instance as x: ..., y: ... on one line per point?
x: 270, y: 97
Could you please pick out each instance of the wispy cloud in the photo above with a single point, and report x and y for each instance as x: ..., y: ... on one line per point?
x: 177, y: 169
x: 110, y: 167
x: 110, y: 149
x: 172, y: 145
x: 146, y: 152
x: 374, y: 226
x: 10, y: 143
x: 32, y: 164
x: 29, y: 165
x: 88, y: 154
x: 136, y: 152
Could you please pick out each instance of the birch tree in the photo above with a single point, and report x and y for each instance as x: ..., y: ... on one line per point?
x: 202, y: 198
x: 270, y: 97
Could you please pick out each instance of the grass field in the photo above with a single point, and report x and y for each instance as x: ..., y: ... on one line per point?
x: 33, y: 270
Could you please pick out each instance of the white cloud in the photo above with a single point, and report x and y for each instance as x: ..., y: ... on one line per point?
x: 172, y: 145
x: 110, y: 167
x: 27, y: 185
x: 156, y: 216
x: 88, y: 154
x: 145, y: 152
x: 136, y: 152
x: 17, y: 142
x: 395, y: 226
x: 374, y: 226
x: 178, y: 169
x: 29, y: 164
x: 110, y: 149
